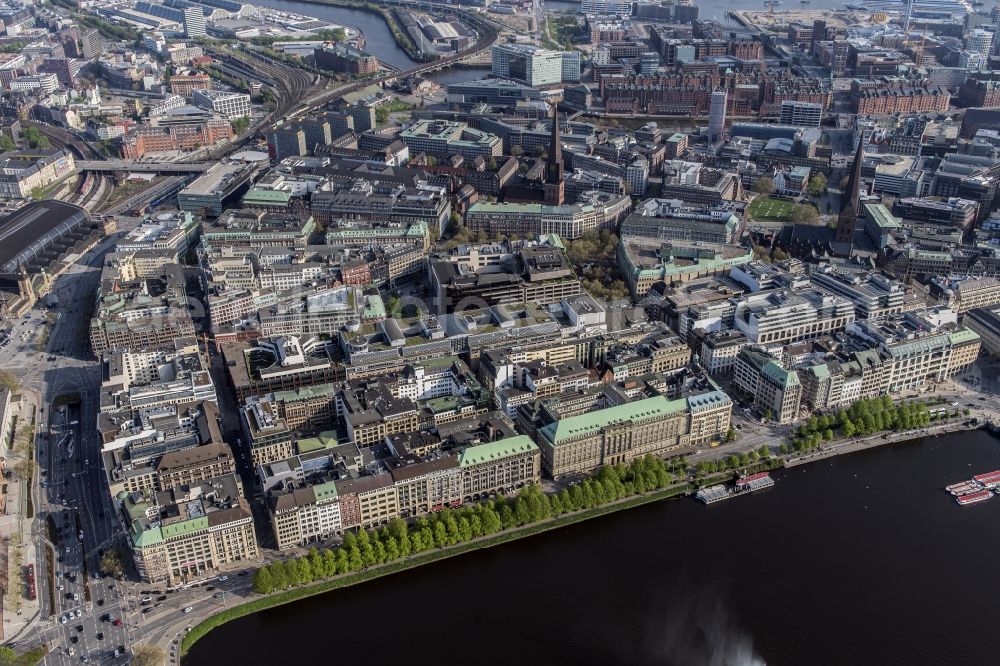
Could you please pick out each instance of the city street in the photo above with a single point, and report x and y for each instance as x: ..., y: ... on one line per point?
x: 69, y: 483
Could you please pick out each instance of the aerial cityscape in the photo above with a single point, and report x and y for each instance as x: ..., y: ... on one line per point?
x: 314, y: 311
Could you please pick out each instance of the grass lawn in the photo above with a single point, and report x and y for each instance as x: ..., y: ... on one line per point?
x: 769, y: 208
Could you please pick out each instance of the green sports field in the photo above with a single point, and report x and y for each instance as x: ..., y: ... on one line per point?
x: 769, y: 208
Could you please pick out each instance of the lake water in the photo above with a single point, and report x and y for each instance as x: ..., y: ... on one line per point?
x: 862, y: 559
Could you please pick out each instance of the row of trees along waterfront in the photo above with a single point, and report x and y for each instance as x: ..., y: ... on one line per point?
x: 863, y: 419
x: 450, y: 527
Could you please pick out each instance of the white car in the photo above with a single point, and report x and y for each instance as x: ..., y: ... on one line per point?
x: 188, y: 609
x: 63, y: 620
x: 222, y: 578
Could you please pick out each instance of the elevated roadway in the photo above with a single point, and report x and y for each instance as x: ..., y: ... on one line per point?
x: 143, y: 167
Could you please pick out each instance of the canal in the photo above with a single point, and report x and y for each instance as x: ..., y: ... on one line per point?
x: 378, y: 38
x: 860, y: 559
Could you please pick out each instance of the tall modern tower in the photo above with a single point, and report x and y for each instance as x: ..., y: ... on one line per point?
x: 717, y: 116
x: 194, y: 22
x: 555, y: 187
x: 850, y: 206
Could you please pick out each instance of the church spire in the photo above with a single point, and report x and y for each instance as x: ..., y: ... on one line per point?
x: 850, y: 202
x: 554, y: 168
x: 555, y: 188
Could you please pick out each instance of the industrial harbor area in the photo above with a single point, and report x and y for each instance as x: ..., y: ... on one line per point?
x: 315, y: 308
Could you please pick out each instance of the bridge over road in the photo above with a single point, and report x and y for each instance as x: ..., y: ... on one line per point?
x: 142, y: 167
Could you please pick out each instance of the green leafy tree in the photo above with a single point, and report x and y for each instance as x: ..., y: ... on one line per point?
x: 803, y: 214
x: 343, y: 561
x: 764, y: 185
x: 391, y: 549
x: 440, y: 534
x: 111, y: 563
x: 262, y: 583
x: 817, y: 185
x: 279, y: 575
x: 354, y: 561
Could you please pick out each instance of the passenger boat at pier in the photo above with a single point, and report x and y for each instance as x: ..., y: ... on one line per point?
x: 990, y: 479
x: 964, y: 488
x: 973, y: 498
x: 742, y: 486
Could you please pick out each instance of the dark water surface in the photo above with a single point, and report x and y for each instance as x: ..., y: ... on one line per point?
x: 858, y: 560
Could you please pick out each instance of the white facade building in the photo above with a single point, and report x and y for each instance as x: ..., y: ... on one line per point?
x: 231, y: 105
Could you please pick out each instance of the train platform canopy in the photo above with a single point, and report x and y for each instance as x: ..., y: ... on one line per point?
x: 28, y: 232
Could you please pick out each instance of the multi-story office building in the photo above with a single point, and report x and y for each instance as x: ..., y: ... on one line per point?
x: 232, y: 105
x: 211, y: 192
x: 186, y: 84
x: 495, y: 92
x: 916, y: 349
x: 26, y: 171
x: 781, y: 317
x: 180, y: 128
x: 873, y: 295
x: 195, y: 465
x: 986, y: 323
x: 194, y: 21
x: 962, y: 293
x: 154, y: 378
x: 443, y: 138
x: 720, y: 349
x: 644, y: 263
x: 669, y: 219
x: 951, y: 211
x: 801, y: 114
x: 624, y: 432
x: 277, y: 364
x: 637, y: 176
x: 979, y: 41
x: 287, y: 142
x: 134, y: 441
x: 606, y: 7
x: 665, y: 354
x: 139, y: 313
x: 341, y: 57
x: 777, y: 392
x: 542, y: 276
x: 190, y: 532
x: 305, y: 515
x: 529, y: 65
x: 570, y: 221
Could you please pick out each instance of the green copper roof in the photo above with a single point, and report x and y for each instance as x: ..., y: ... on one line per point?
x: 710, y: 400
x: 325, y: 491
x: 779, y: 375
x: 504, y: 448
x: 145, y: 538
x: 588, y: 424
x: 306, y: 393
x: 963, y: 335
x: 881, y: 216
x: 260, y: 195
x: 184, y: 528
x: 821, y: 371
x: 374, y: 307
x: 491, y: 207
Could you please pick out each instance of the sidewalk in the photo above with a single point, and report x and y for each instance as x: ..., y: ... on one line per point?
x: 858, y: 444
x: 19, y: 610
